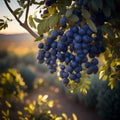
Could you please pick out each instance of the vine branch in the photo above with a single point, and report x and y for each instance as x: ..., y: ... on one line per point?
x: 27, y: 11
x: 6, y: 3
x: 24, y: 25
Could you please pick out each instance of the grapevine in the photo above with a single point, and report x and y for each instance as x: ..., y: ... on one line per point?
x: 72, y: 46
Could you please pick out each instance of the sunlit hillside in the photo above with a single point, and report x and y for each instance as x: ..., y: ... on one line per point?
x: 18, y: 43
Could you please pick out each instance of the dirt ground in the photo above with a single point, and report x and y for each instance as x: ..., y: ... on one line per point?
x: 64, y: 105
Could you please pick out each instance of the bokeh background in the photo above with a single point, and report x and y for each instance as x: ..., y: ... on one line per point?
x: 28, y: 90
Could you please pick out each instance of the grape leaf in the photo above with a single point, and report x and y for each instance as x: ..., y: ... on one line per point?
x: 107, y: 11
x: 65, y: 2
x: 69, y: 12
x: 31, y: 22
x: 85, y: 14
x: 43, y: 26
x: 99, y: 4
x: 73, y: 18
x: 91, y: 25
x: 111, y: 4
x: 94, y: 5
x: 16, y: 12
x: 53, y: 20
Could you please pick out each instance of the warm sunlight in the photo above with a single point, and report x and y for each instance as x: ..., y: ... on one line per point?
x: 13, y: 27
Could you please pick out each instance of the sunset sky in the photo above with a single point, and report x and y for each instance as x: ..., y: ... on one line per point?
x: 13, y: 27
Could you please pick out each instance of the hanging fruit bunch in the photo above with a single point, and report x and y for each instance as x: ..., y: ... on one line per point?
x: 75, y: 37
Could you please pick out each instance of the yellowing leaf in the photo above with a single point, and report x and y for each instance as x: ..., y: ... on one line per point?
x: 44, y: 98
x: 19, y: 113
x: 8, y: 104
x: 74, y: 116
x: 50, y: 103
x: 104, y: 77
x: 111, y: 85
x: 101, y: 74
x: 64, y: 116
x: 58, y: 118
x: 52, y: 9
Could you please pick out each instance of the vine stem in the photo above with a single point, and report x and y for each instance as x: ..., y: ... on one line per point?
x: 25, y: 24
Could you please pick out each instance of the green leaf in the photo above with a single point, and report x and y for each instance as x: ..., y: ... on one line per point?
x: 107, y: 11
x: 111, y: 4
x: 16, y: 12
x: 1, y: 24
x: 94, y: 5
x: 108, y: 31
x: 62, y: 9
x: 31, y: 22
x: 37, y: 20
x: 91, y: 25
x: 85, y: 14
x: 43, y: 27
x: 53, y: 20
x: 65, y: 2
x: 21, y: 2
x: 73, y: 18
x: 7, y: 18
x: 20, y: 14
x: 99, y: 4
x: 69, y: 12
x: 5, y: 25
x: 1, y: 21
x: 39, y: 3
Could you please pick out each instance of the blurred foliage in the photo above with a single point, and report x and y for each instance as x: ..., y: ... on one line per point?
x: 109, y: 102
x: 41, y: 68
x: 8, y: 60
x: 37, y: 110
x: 28, y: 75
x: 110, y: 70
x: 29, y: 59
x: 90, y: 99
x: 11, y: 85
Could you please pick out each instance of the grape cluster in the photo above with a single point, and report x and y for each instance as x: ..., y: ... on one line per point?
x: 72, y: 51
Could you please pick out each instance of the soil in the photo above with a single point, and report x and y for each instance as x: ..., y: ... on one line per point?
x: 64, y: 104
